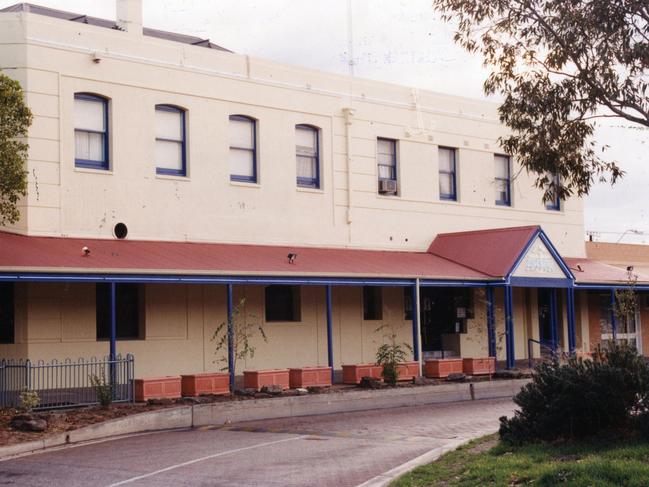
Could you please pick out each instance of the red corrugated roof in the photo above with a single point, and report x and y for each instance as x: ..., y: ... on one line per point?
x: 49, y: 254
x: 592, y: 271
x: 492, y: 252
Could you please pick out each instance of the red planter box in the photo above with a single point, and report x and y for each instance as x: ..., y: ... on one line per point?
x: 157, y: 388
x: 207, y: 383
x: 408, y: 370
x: 352, y: 374
x: 439, y: 368
x: 309, y: 376
x: 479, y: 366
x: 256, y: 379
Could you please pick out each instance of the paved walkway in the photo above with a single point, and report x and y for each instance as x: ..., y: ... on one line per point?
x: 332, y: 450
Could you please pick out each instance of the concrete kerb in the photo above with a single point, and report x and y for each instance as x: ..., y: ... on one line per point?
x: 221, y: 413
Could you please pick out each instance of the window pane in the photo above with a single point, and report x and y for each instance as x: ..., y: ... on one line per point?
x: 89, y: 115
x: 386, y: 147
x: 127, y: 297
x: 305, y: 140
x: 282, y: 303
x: 169, y: 155
x: 502, y: 190
x: 6, y: 312
x: 446, y: 185
x: 89, y: 146
x: 242, y: 134
x: 306, y: 167
x: 447, y: 160
x: 386, y: 172
x: 372, y: 303
x: 502, y: 167
x: 242, y: 163
x: 168, y: 124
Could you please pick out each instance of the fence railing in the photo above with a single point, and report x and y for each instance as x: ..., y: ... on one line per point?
x: 67, y: 383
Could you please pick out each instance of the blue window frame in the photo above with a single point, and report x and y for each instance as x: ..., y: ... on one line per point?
x: 555, y: 203
x: 447, y: 174
x: 170, y: 141
x: 307, y: 152
x: 387, y: 159
x: 243, y: 149
x: 502, y: 180
x: 90, y: 131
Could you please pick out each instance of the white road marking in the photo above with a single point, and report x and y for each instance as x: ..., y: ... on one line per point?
x: 208, y: 457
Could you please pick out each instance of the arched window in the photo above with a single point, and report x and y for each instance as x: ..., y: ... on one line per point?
x: 307, y: 152
x: 243, y: 149
x: 170, y: 140
x: 90, y: 131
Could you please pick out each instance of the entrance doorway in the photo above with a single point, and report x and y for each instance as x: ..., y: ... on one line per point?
x: 545, y: 320
x: 443, y: 318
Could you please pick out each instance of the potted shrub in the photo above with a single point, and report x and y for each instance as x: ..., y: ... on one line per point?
x: 391, y: 356
x: 309, y: 376
x: 241, y: 331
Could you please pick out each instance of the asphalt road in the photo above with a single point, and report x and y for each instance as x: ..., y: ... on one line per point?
x: 330, y: 450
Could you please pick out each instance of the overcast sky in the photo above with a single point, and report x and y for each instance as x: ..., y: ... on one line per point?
x: 400, y: 41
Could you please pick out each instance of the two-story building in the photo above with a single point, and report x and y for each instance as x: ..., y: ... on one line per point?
x: 169, y: 178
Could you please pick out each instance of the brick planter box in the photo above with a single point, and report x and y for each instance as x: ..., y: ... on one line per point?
x: 439, y: 368
x: 206, y: 383
x: 352, y: 374
x: 256, y: 379
x: 309, y: 376
x: 408, y: 370
x: 157, y: 388
x: 479, y: 366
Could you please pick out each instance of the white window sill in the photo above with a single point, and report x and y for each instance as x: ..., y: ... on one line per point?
x: 89, y: 170
x: 171, y: 177
x: 310, y: 190
x: 243, y: 184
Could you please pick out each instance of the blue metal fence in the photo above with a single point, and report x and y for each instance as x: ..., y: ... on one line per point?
x: 67, y: 383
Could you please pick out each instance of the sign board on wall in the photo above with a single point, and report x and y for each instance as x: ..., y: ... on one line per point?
x: 538, y: 262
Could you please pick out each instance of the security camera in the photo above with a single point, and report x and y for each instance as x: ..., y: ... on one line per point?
x: 85, y: 251
x: 291, y: 257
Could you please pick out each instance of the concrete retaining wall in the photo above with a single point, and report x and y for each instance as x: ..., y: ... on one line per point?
x: 270, y: 408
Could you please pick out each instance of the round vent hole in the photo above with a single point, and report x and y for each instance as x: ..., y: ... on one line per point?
x: 120, y: 230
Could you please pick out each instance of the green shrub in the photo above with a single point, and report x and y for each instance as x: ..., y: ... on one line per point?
x: 103, y: 389
x: 580, y: 398
x: 29, y: 400
x: 390, y: 354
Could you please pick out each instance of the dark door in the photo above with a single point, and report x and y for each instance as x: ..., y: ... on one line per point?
x: 437, y: 317
x: 545, y: 319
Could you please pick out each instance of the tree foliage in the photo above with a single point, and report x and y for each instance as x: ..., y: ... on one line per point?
x: 15, y: 119
x: 560, y: 65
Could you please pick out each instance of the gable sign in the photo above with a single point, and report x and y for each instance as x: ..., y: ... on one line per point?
x: 538, y: 262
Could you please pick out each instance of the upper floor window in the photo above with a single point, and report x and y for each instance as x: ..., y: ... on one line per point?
x: 6, y: 312
x: 503, y: 180
x: 554, y: 203
x: 90, y: 131
x: 386, y: 151
x: 170, y: 147
x: 243, y: 149
x: 447, y: 174
x: 308, y: 157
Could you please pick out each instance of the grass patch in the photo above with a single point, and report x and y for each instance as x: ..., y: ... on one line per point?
x: 485, y: 461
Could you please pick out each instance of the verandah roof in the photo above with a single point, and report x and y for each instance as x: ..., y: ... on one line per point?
x: 480, y: 256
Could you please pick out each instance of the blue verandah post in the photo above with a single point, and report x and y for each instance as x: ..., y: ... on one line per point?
x: 572, y: 339
x: 509, y: 328
x: 330, y: 332
x: 112, y: 354
x: 613, y: 317
x: 230, y: 338
x: 491, y: 329
x: 553, y: 320
x: 415, y: 324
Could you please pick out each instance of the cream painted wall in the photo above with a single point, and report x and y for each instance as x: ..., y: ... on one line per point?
x: 53, y: 59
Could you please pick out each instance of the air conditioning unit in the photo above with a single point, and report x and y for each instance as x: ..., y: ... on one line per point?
x: 387, y: 186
